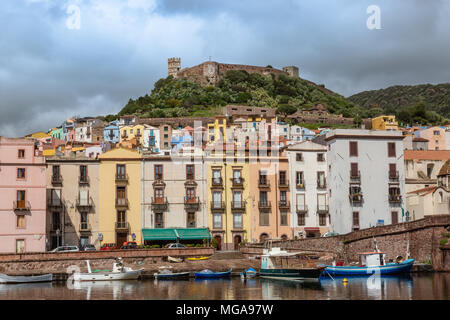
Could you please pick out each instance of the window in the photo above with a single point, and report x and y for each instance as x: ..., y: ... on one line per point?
x: 283, y: 198
x: 262, y: 177
x: 159, y: 220
x: 158, y: 172
x: 217, y: 199
x: 84, y: 221
x: 322, y: 219
x: 391, y: 149
x: 436, y: 133
x: 56, y: 172
x: 20, y: 245
x: 21, y: 199
x: 283, y: 178
x: 263, y: 218
x: 320, y: 157
x: 237, y: 221
x: 190, y: 194
x: 283, y: 218
x: 299, y: 179
x: 301, y: 219
x: 166, y: 145
x: 217, y: 221
x: 121, y: 219
x: 20, y: 173
x: 190, y: 172
x: 237, y: 199
x: 120, y: 171
x: 299, y: 156
x: 166, y: 128
x: 83, y: 173
x: 166, y: 136
x: 237, y: 177
x: 355, y: 220
x: 354, y: 172
x: 21, y: 153
x: 159, y: 195
x: 217, y: 177
x: 20, y: 221
x: 321, y: 183
x: 191, y: 220
x: 393, y: 171
x: 263, y: 198
x: 394, y: 217
x: 353, y: 148
x: 121, y: 196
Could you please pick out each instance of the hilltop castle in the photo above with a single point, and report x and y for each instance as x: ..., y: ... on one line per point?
x: 210, y: 72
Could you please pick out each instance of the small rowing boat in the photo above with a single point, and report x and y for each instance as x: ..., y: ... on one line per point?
x: 199, y: 258
x: 167, y: 274
x: 249, y: 273
x: 25, y: 279
x: 205, y: 274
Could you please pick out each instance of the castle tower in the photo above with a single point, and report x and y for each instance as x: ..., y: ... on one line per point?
x: 174, y: 65
x: 291, y: 71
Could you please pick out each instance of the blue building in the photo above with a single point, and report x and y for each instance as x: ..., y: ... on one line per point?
x: 112, y: 132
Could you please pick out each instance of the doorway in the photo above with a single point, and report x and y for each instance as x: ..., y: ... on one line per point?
x: 237, y: 242
x: 120, y: 239
x: 219, y: 242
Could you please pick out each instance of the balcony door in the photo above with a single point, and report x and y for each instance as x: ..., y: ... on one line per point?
x: 190, y: 194
x: 301, y: 202
x: 159, y: 195
x: 322, y: 202
x: 237, y: 199
x: 120, y: 171
x: 217, y: 199
x: 21, y: 199
x: 84, y: 197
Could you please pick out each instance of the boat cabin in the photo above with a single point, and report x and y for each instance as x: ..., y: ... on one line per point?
x: 372, y: 259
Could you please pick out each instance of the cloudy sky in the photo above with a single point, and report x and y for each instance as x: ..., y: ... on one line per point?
x: 54, y: 65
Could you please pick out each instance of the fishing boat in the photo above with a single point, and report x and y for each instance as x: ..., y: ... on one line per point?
x: 199, y: 258
x: 211, y: 274
x: 372, y: 263
x: 167, y: 274
x: 271, y: 269
x: 249, y: 273
x: 25, y: 279
x: 119, y: 272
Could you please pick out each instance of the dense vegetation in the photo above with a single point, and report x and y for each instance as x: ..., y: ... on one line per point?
x: 180, y: 97
x: 411, y: 104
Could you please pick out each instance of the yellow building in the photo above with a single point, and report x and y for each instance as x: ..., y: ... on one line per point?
x: 39, y: 135
x: 120, y: 196
x: 130, y: 132
x: 229, y: 201
x: 218, y: 129
x: 384, y: 123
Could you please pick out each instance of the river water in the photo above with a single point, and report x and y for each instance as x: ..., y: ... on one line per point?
x: 416, y: 287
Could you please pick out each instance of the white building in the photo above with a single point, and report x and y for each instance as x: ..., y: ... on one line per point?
x: 152, y: 138
x: 365, y: 178
x: 308, y: 189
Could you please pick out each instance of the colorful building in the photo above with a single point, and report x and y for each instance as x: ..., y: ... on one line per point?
x: 112, y: 132
x: 22, y: 197
x: 128, y: 133
x: 435, y: 137
x: 120, y: 217
x: 217, y: 131
x: 384, y: 123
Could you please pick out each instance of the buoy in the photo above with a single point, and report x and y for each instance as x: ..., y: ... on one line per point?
x: 345, y: 281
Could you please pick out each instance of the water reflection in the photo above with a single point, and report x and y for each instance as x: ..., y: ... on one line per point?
x: 427, y: 286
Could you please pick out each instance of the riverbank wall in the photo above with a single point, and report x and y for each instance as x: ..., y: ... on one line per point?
x: 421, y: 237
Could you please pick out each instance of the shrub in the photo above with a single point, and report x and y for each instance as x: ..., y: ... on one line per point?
x: 198, y: 245
x: 156, y: 246
x: 443, y: 242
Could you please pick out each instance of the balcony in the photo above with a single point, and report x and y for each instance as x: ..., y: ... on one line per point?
x: 160, y: 204
x: 237, y: 182
x: 54, y: 204
x: 121, y: 203
x: 301, y: 208
x: 322, y: 184
x: 264, y: 205
x: 85, y: 227
x: 217, y: 205
x: 355, y: 176
x: 322, y: 208
x: 83, y: 180
x: 192, y: 204
x: 395, y: 198
x: 121, y: 178
x: 21, y: 205
x: 122, y: 226
x: 57, y: 179
x: 283, y: 183
x: 238, y: 205
x: 393, y: 175
x: 217, y: 182
x: 263, y: 183
x: 284, y: 204
x: 85, y: 204
x: 355, y: 197
x: 300, y: 185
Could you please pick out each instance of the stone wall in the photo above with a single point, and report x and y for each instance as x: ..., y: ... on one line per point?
x: 422, y: 235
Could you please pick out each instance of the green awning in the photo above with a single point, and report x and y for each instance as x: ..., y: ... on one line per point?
x: 173, y: 233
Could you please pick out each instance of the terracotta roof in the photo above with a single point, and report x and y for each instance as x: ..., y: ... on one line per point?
x: 424, y: 191
x: 420, y: 140
x: 445, y: 170
x: 427, y: 155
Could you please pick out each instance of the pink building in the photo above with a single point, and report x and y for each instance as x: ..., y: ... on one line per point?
x: 435, y: 137
x: 22, y: 197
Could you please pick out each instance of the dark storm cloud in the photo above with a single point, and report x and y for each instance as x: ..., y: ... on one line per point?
x: 49, y: 72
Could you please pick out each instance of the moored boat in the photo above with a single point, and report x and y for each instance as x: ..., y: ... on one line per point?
x: 25, y: 279
x: 119, y: 272
x: 198, y: 258
x: 167, y: 274
x: 211, y: 274
x: 249, y: 273
x: 270, y: 269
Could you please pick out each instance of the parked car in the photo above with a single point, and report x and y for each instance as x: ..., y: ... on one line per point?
x: 129, y: 245
x: 330, y: 234
x: 108, y: 246
x: 89, y: 247
x: 66, y: 249
x: 175, y: 246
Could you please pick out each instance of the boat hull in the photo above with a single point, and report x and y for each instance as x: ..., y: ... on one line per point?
x: 307, y: 273
x: 107, y: 276
x: 172, y: 276
x: 390, y: 268
x: 214, y: 275
x: 26, y: 279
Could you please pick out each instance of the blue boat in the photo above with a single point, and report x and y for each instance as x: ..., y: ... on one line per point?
x: 208, y: 274
x: 249, y: 273
x: 371, y: 263
x: 169, y: 275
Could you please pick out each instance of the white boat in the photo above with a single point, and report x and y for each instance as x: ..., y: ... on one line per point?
x: 25, y: 279
x: 119, y: 272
